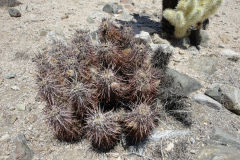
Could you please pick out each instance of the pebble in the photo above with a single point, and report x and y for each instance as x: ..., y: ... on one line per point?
x: 169, y: 147
x: 21, y: 107
x: 10, y: 76
x: 13, y: 12
x: 5, y: 137
x: 15, y: 88
x: 230, y: 54
x: 144, y: 36
x: 112, y: 8
x: 205, y: 100
x: 13, y: 119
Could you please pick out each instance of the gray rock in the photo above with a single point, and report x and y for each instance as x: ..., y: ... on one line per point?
x: 215, y: 93
x: 159, y: 135
x: 231, y: 98
x: 90, y: 20
x: 227, y: 95
x: 205, y: 100
x: 22, y: 151
x: 193, y: 50
x: 185, y: 82
x: 225, y: 138
x: 15, y: 88
x: 204, y: 38
x: 126, y: 16
x: 10, y: 76
x: 230, y: 54
x: 112, y: 8
x: 13, y: 12
x: 218, y: 152
x: 21, y: 107
x: 166, y: 48
x: 144, y: 36
x: 204, y: 64
x: 54, y: 37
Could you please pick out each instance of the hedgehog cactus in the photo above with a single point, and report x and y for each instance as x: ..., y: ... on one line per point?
x: 114, y: 74
x: 139, y: 123
x: 102, y: 130
x: 190, y: 12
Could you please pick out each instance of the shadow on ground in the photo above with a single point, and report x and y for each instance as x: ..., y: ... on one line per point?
x: 9, y: 3
x: 145, y: 23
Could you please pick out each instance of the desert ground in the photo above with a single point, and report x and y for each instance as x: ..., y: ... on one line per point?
x: 214, y: 134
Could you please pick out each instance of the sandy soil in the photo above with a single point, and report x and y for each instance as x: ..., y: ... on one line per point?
x: 21, y: 38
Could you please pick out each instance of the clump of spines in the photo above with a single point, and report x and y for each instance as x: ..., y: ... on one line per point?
x: 139, y: 123
x: 115, y: 74
x: 102, y: 130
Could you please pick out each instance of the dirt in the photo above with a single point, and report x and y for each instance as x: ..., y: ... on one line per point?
x: 23, y: 37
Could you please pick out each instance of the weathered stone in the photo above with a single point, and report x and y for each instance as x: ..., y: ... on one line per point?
x: 54, y: 37
x: 159, y: 135
x: 230, y: 54
x: 13, y: 12
x: 225, y: 138
x: 21, y: 107
x: 15, y: 88
x: 10, y: 76
x: 204, y: 38
x: 205, y: 100
x: 144, y: 36
x: 185, y: 82
x: 5, y: 137
x: 203, y: 64
x: 231, y: 98
x: 22, y: 151
x: 112, y: 8
x: 215, y: 93
x: 218, y: 152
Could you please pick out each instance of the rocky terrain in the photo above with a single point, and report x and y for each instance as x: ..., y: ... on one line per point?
x: 209, y: 77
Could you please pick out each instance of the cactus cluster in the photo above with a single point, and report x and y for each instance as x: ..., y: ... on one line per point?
x: 86, y: 84
x: 189, y: 13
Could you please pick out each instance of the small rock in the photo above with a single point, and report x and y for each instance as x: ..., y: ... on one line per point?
x: 112, y: 8
x: 126, y: 1
x: 21, y: 107
x: 90, y: 20
x: 33, y: 118
x: 204, y: 64
x: 221, y: 46
x: 13, y: 12
x: 183, y: 81
x: 15, y: 88
x: 22, y: 151
x: 149, y: 30
x: 230, y: 54
x: 10, y: 76
x: 54, y: 37
x: 225, y: 138
x: 193, y: 50
x: 204, y: 38
x: 159, y: 135
x: 218, y: 152
x: 157, y: 40
x: 12, y: 119
x: 215, y: 93
x: 205, y: 100
x: 5, y: 137
x: 169, y: 147
x: 224, y: 38
x: 66, y: 16
x: 231, y: 98
x: 126, y: 16
x: 144, y: 36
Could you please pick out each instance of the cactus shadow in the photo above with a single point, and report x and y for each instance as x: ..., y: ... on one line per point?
x: 9, y: 3
x: 145, y: 23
